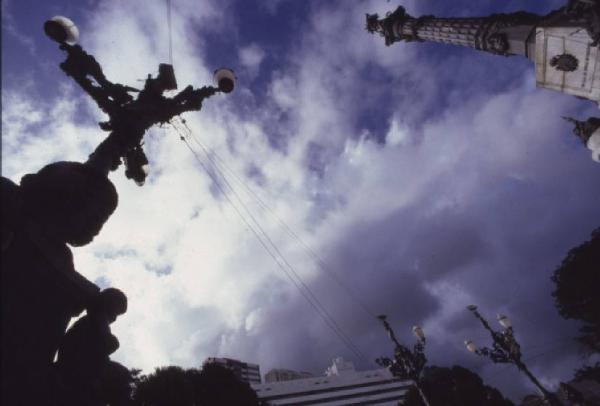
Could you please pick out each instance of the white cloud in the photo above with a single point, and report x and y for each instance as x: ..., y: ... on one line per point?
x: 397, y: 135
x: 28, y: 123
x: 251, y: 57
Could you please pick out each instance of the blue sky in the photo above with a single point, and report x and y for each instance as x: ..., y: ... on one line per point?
x: 427, y: 177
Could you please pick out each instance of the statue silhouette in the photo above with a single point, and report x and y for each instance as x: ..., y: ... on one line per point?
x: 67, y: 203
x: 64, y: 203
x: 83, y: 356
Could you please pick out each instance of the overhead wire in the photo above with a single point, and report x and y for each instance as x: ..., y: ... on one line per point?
x: 170, y: 32
x: 321, y: 264
x: 275, y: 253
x: 209, y: 156
x: 298, y: 282
x: 269, y: 246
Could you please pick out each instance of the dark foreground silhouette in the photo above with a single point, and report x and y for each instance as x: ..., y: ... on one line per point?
x: 214, y: 385
x: 455, y: 386
x: 65, y: 203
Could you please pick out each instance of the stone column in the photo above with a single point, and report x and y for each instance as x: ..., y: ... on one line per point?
x: 502, y: 34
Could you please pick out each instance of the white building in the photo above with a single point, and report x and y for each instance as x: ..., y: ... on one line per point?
x: 279, y: 375
x: 342, y: 385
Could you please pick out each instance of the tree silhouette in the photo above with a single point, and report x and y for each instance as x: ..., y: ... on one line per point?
x: 577, y: 286
x: 533, y: 400
x: 456, y: 386
x: 174, y: 386
x: 166, y: 386
x: 217, y: 385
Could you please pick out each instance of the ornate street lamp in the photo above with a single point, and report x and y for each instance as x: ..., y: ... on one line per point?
x: 406, y: 364
x: 506, y: 349
x: 129, y: 117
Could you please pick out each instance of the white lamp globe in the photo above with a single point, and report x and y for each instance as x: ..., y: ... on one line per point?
x: 471, y: 346
x: 225, y: 79
x: 504, y: 321
x: 418, y: 332
x: 62, y: 30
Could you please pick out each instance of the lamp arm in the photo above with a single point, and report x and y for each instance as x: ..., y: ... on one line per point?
x: 80, y: 66
x: 390, y: 331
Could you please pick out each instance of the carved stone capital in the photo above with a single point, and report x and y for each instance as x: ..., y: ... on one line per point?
x: 497, y: 43
x: 386, y: 26
x: 564, y: 62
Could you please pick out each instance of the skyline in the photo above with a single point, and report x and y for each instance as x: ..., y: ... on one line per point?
x: 427, y: 177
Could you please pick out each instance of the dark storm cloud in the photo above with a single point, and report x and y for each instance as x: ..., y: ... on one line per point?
x: 495, y: 223
x: 503, y: 259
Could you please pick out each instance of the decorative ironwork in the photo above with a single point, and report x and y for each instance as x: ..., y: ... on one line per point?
x: 406, y: 364
x: 129, y: 117
x: 506, y: 349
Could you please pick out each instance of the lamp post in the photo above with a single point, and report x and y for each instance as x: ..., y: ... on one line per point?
x: 506, y: 349
x: 129, y: 117
x: 406, y: 364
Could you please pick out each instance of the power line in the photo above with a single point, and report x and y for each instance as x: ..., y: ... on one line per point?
x: 307, y: 293
x: 273, y: 251
x: 170, y: 32
x: 311, y: 253
x: 208, y: 155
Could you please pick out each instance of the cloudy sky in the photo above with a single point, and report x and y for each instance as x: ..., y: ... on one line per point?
x: 423, y: 177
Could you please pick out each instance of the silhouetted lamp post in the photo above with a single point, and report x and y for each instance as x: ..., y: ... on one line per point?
x: 129, y: 117
x: 506, y: 349
x: 406, y: 364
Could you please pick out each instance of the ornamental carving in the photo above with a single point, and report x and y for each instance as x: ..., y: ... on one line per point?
x: 564, y: 62
x: 497, y: 43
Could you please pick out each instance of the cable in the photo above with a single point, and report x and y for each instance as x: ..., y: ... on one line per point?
x: 527, y: 359
x: 209, y: 154
x: 312, y: 254
x: 332, y: 321
x: 298, y: 283
x: 170, y: 32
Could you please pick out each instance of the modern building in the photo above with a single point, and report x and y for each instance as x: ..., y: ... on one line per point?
x: 244, y: 371
x: 280, y: 375
x: 564, y: 46
x: 341, y: 385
